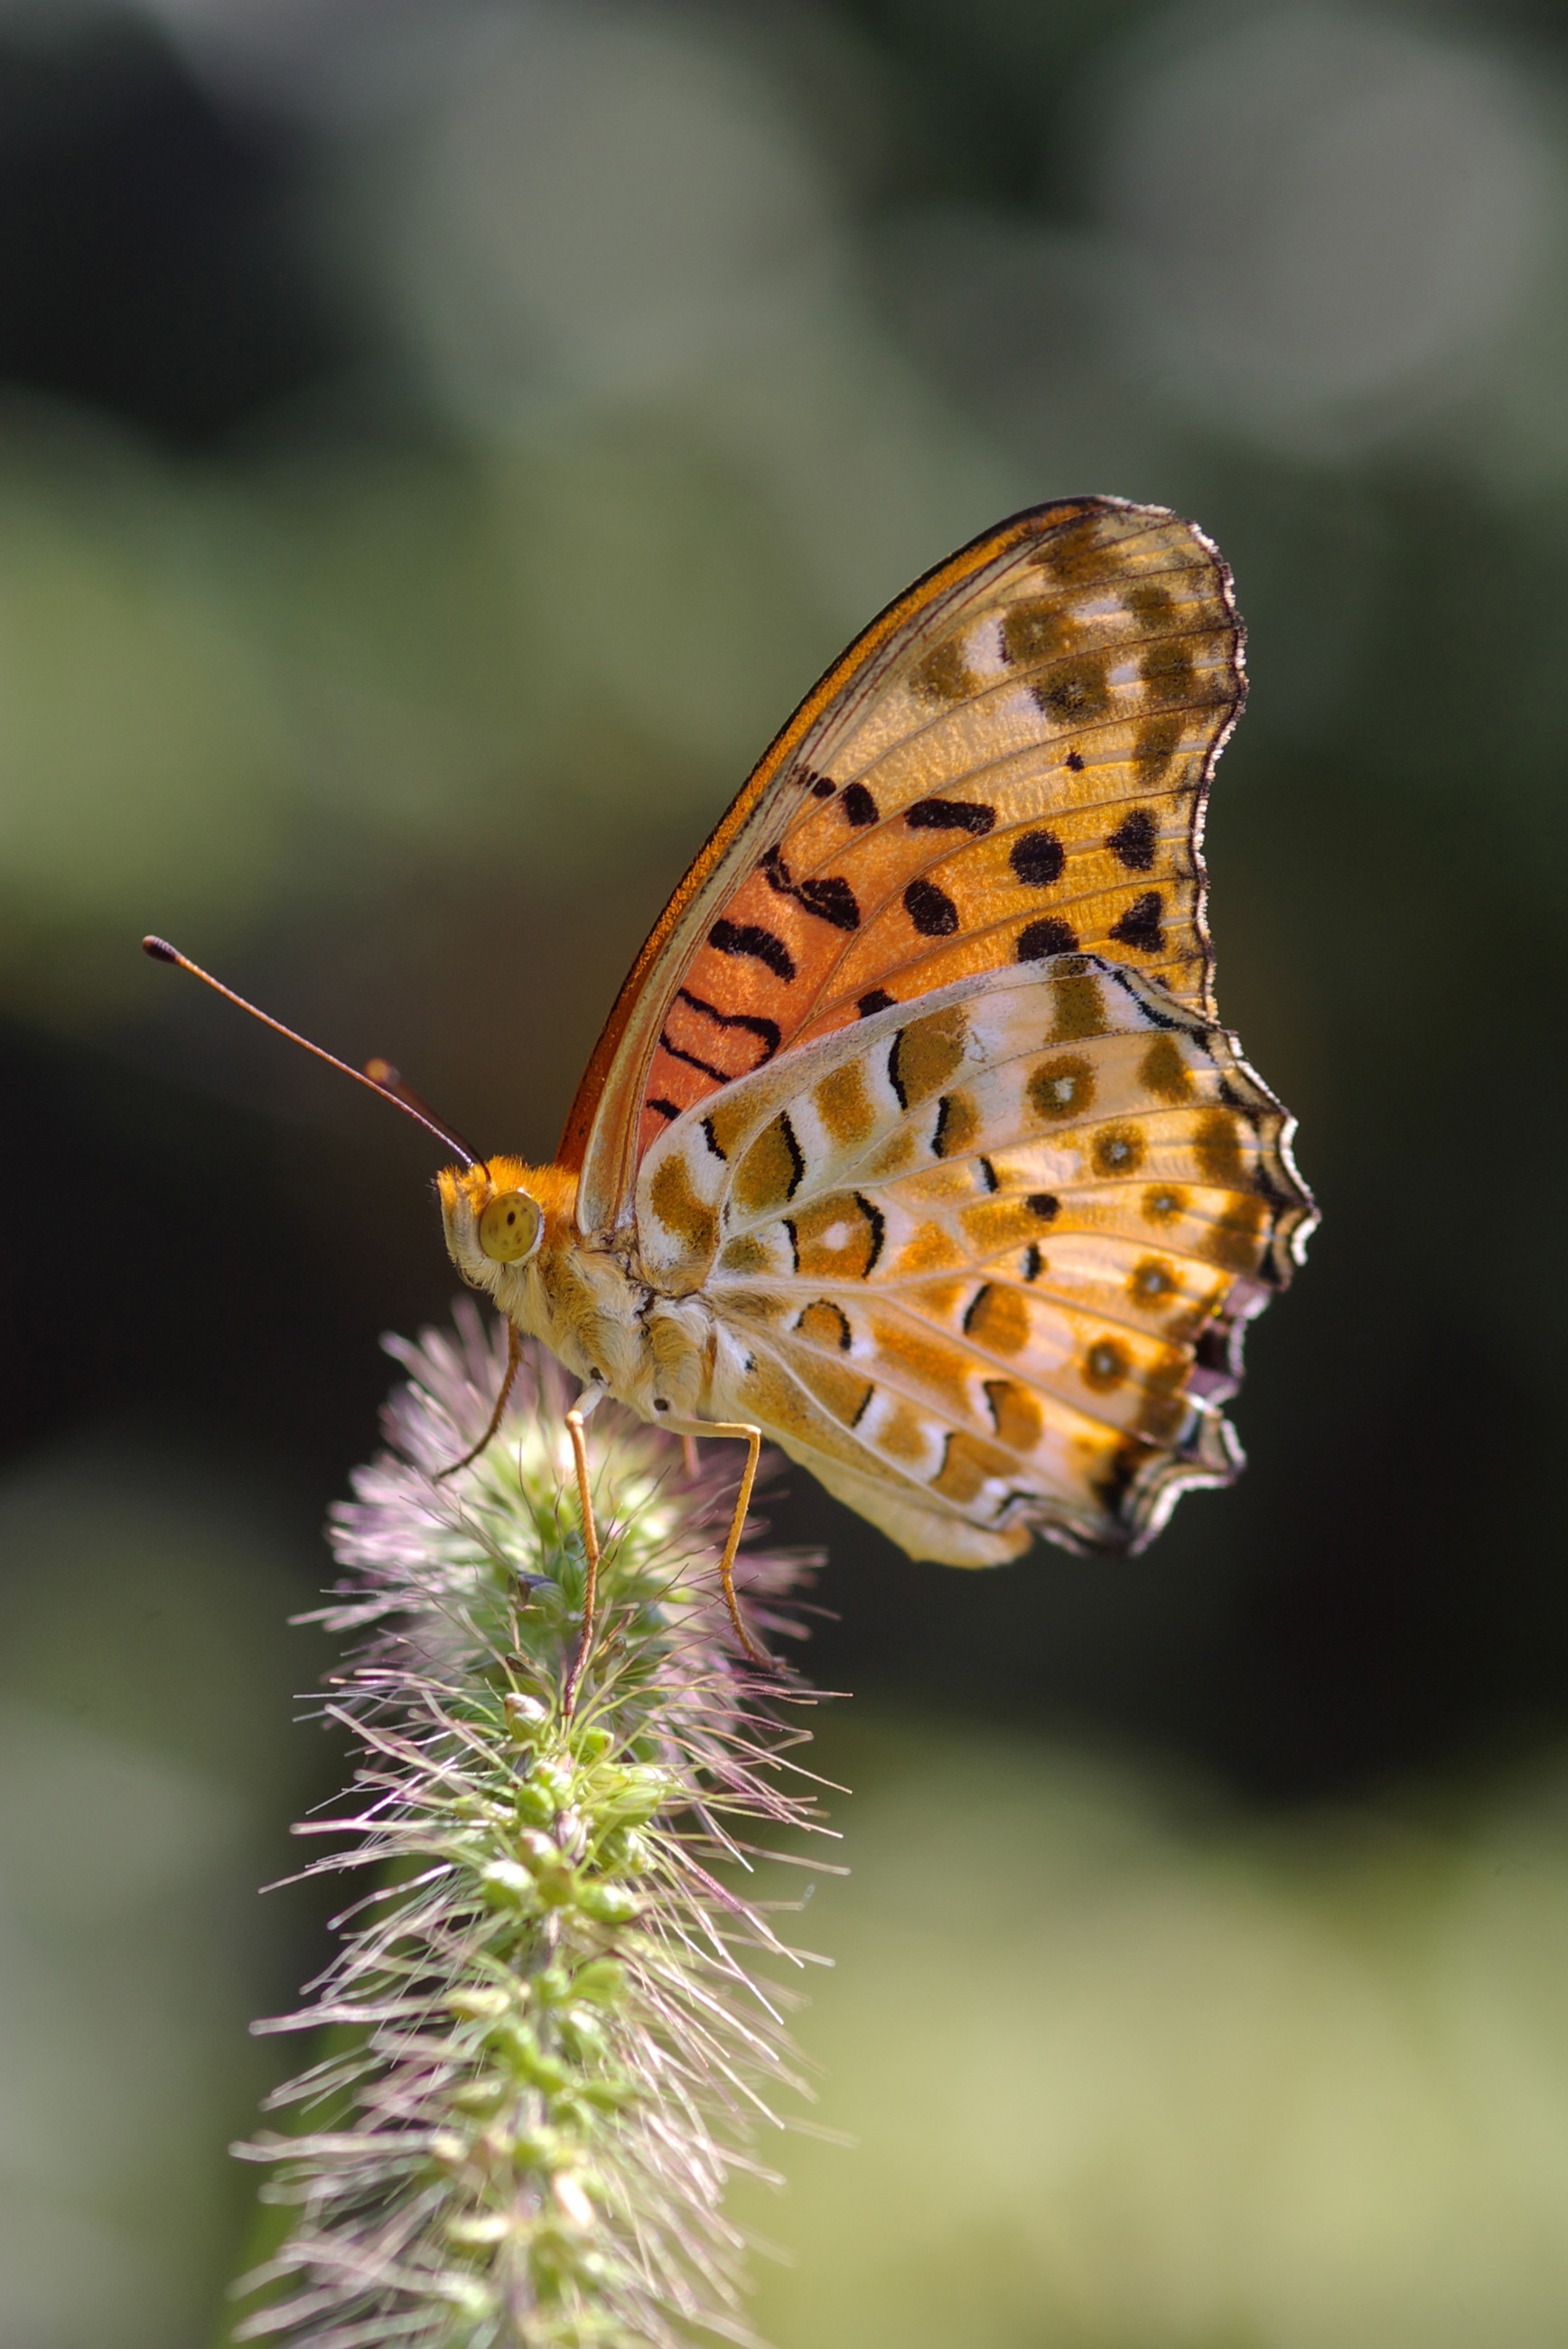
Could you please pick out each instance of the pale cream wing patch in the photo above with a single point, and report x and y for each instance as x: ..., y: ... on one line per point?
x: 985, y: 1268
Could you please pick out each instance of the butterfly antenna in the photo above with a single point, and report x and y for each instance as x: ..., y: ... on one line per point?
x: 379, y: 1076
x: 395, y: 1085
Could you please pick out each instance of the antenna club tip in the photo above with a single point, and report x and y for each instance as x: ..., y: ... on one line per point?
x: 382, y: 1072
x: 160, y: 950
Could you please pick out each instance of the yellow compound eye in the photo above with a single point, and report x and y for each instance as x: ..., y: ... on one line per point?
x: 509, y: 1228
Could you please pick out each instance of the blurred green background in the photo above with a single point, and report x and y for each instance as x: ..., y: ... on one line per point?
x: 440, y: 440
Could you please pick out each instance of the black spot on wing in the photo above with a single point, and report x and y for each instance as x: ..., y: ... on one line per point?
x: 749, y: 939
x: 950, y: 815
x: 1133, y: 840
x: 1032, y: 1261
x: 821, y: 787
x: 664, y: 1108
x: 858, y: 803
x: 988, y: 1174
x: 879, y: 999
x: 831, y: 900
x: 1050, y: 936
x: 1142, y: 925
x: 1046, y: 1204
x: 712, y: 1140
x: 878, y: 1223
x: 1037, y: 859
x: 931, y: 909
x: 1075, y: 761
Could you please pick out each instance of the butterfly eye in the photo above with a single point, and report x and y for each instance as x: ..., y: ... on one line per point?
x: 509, y: 1228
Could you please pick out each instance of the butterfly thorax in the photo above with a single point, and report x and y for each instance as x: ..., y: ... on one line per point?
x: 587, y: 1301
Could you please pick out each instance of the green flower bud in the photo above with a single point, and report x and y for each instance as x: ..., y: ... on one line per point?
x: 608, y: 1904
x: 536, y: 1804
x: 602, y: 1979
x: 525, y: 1717
x: 505, y: 1885
x: 642, y: 1791
x: 622, y: 1852
x: 547, y: 2073
x: 553, y: 1781
x: 582, y: 2032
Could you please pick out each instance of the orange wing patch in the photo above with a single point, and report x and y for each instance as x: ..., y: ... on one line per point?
x: 1010, y: 764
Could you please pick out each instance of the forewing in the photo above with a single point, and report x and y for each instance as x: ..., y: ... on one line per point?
x: 987, y: 1268
x: 1009, y: 764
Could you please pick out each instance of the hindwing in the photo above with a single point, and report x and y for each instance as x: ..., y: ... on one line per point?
x: 983, y: 1265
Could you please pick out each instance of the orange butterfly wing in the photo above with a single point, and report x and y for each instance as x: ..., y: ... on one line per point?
x: 987, y: 1266
x: 1010, y: 763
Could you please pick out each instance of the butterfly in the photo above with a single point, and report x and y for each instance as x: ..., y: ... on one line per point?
x: 912, y: 1143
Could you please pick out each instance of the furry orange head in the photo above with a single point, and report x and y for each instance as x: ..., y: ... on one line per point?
x: 498, y: 1217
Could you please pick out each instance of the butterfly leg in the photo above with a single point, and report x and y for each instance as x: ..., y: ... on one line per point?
x: 752, y: 1438
x: 574, y: 1419
x: 513, y: 1357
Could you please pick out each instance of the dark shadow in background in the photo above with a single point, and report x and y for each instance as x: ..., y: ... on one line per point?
x: 1382, y: 1593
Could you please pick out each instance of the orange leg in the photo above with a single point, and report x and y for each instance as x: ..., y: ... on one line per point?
x: 752, y: 1438
x: 574, y: 1419
x: 513, y: 1356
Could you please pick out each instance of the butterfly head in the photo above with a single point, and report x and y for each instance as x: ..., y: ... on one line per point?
x: 501, y: 1216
